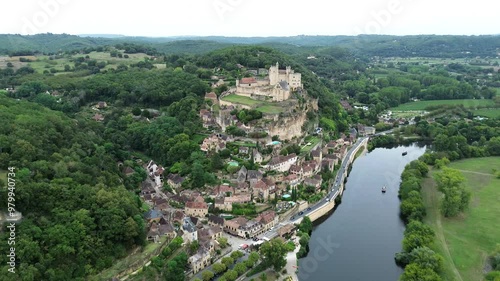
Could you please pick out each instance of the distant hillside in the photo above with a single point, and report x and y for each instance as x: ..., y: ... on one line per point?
x: 365, y: 45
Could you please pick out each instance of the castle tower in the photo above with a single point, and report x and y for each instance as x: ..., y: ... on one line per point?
x: 274, y: 74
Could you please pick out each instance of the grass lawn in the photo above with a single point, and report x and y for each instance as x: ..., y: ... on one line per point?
x: 249, y: 144
x: 241, y: 100
x: 466, y: 241
x: 421, y: 105
x: 306, y: 149
x: 488, y: 112
x: 198, y: 138
x: 498, y: 91
x: 269, y: 109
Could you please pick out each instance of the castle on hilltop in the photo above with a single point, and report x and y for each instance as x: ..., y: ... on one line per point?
x: 277, y: 86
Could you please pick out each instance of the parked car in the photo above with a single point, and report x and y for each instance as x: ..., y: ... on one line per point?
x: 309, y: 208
x: 301, y: 213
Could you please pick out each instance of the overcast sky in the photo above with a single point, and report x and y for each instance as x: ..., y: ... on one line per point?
x: 250, y: 17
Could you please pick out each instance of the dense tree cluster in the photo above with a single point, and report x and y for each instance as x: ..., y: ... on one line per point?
x: 78, y: 215
x: 456, y: 197
x: 273, y: 253
x: 420, y: 262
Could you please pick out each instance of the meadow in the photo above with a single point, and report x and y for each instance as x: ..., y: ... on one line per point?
x: 466, y: 241
x: 43, y: 62
x: 488, y: 112
x: 422, y: 105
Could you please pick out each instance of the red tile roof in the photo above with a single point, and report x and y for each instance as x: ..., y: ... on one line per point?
x: 196, y: 205
x: 248, y: 80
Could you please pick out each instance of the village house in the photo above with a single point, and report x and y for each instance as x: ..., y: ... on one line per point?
x: 190, y: 231
x: 345, y: 104
x: 282, y: 163
x: 210, y: 233
x: 153, y: 216
x: 98, y: 117
x: 242, y: 174
x: 253, y: 176
x: 271, y: 186
x: 369, y: 131
x: 222, y: 190
x: 147, y: 188
x: 353, y: 134
x: 242, y: 188
x: 314, y: 181
x: 196, y: 209
x: 215, y: 220
x: 200, y: 260
x: 166, y: 228
x: 213, y: 143
x: 296, y: 170
x: 174, y: 215
x: 261, y: 191
x: 153, y: 233
x: 361, y: 130
x: 101, y: 105
x: 307, y: 171
x: 327, y: 164
x: 205, y: 115
x: 226, y: 203
x: 162, y: 228
x: 243, y: 150
x: 317, y: 155
x: 175, y: 181
x: 232, y: 226
x: 128, y: 171
x: 250, y: 229
x: 332, y: 157
x: 257, y: 156
x: 212, y: 96
x: 292, y: 180
x: 268, y: 220
x: 160, y: 204
x: 287, y: 230
x: 155, y: 172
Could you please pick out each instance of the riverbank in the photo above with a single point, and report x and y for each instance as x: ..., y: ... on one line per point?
x: 466, y: 241
x: 358, y: 241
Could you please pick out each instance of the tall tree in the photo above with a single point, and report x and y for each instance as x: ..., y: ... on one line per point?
x: 273, y: 253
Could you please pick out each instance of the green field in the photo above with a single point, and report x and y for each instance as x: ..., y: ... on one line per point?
x: 262, y: 106
x: 307, y: 148
x: 42, y: 62
x: 488, y: 112
x: 466, y: 241
x: 421, y: 105
x: 269, y: 109
x: 241, y: 100
x: 240, y: 143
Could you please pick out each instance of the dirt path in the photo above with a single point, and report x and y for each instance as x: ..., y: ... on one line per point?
x: 477, y: 173
x: 440, y: 236
x: 433, y: 196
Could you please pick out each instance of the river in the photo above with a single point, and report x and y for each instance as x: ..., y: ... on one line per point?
x: 357, y: 242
